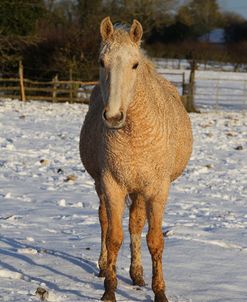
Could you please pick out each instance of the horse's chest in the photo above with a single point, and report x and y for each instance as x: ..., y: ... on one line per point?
x: 136, y: 166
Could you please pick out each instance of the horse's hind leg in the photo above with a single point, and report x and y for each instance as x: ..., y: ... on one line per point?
x: 137, y: 218
x: 104, y: 224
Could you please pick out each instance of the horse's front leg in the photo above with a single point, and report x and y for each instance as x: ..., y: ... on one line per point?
x: 155, y: 241
x: 104, y: 225
x: 137, y: 218
x: 115, y: 202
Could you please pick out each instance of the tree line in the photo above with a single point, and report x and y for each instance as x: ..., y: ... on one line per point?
x: 62, y: 37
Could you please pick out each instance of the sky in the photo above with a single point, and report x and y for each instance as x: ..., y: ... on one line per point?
x: 236, y: 6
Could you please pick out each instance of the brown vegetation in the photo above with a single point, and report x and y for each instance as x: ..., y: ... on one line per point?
x: 65, y: 30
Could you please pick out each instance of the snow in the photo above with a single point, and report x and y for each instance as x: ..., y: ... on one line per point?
x: 50, y: 234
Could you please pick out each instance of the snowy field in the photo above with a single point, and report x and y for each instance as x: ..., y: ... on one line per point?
x: 50, y: 235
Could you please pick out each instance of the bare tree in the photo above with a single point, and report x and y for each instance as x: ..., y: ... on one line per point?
x: 201, y: 16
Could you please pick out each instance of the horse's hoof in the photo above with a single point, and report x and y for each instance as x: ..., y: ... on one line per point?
x: 102, y: 273
x: 138, y: 281
x: 109, y: 297
x: 136, y: 274
x: 160, y: 297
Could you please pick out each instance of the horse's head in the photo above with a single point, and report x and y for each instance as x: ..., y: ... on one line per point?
x: 120, y: 59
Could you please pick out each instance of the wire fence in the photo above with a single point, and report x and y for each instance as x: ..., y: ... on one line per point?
x: 231, y: 93
x: 223, y: 89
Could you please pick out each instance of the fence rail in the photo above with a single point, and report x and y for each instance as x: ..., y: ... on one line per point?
x: 57, y: 90
x: 54, y: 91
x: 64, y: 91
x: 60, y: 91
x: 204, y: 87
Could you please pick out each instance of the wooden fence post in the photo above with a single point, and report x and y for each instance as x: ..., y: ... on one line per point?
x: 54, y: 88
x: 21, y: 78
x: 71, y: 85
x: 183, y: 84
x: 190, y: 103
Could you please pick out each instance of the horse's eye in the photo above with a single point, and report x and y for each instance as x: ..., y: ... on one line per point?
x: 102, y: 64
x: 135, y: 66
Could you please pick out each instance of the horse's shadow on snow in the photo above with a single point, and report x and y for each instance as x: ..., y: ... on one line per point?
x: 88, y: 266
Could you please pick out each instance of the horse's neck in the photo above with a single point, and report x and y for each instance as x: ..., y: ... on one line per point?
x: 142, y: 112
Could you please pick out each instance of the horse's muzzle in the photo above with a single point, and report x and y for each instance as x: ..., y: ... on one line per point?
x: 114, y: 122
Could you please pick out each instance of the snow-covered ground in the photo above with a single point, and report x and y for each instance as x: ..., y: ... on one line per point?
x: 50, y: 235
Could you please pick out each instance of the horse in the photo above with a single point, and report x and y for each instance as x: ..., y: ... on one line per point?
x: 136, y: 139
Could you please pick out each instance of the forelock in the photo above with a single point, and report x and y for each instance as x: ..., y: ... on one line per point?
x: 122, y: 27
x: 120, y: 36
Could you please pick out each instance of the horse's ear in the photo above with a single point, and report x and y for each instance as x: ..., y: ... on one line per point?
x: 106, y: 28
x: 136, y: 31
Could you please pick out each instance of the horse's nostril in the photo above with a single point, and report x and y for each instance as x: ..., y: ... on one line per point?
x: 115, y: 121
x: 120, y: 117
x: 104, y: 115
